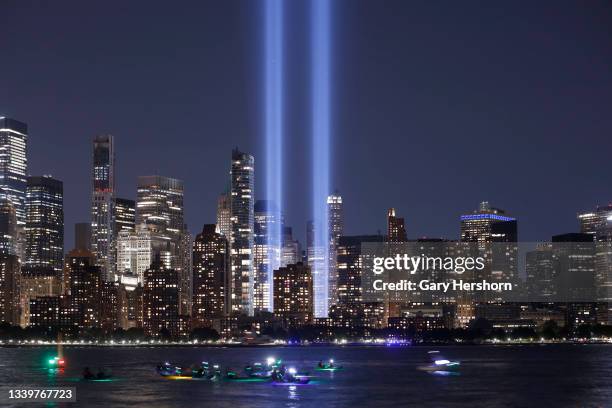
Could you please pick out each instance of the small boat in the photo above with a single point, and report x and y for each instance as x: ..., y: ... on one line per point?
x: 440, y: 364
x: 329, y: 366
x: 289, y: 377
x: 168, y: 370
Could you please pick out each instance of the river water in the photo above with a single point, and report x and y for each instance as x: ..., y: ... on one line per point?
x: 492, y: 376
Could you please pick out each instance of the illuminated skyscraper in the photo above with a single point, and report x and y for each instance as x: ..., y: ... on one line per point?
x: 242, y: 238
x: 103, y: 203
x: 224, y: 215
x: 266, y: 253
x: 85, y: 280
x: 159, y: 208
x: 396, y: 230
x: 488, y: 224
x: 136, y: 250
x: 45, y: 224
x: 9, y: 288
x: 8, y: 227
x: 336, y: 230
x: 14, y: 164
x: 161, y: 301
x: 125, y: 215
x: 293, y: 294
x: 597, y: 223
x: 210, y: 273
x: 290, y: 253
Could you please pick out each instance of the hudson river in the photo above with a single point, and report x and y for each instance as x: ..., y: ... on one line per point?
x: 492, y: 376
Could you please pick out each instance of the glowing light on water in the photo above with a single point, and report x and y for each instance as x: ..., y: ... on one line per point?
x: 320, y: 48
x: 273, y: 83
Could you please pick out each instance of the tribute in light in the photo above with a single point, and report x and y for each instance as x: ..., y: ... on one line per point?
x: 273, y: 82
x: 320, y: 58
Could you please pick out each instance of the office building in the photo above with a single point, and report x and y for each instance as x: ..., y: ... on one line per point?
x: 125, y: 215
x: 242, y: 234
x: 103, y: 203
x: 82, y: 236
x: 210, y: 278
x: 161, y: 301
x: 396, y: 230
x: 44, y: 224
x: 293, y: 294
x: 336, y: 230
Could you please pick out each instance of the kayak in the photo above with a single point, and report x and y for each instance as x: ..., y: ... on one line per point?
x: 293, y: 381
x: 328, y: 368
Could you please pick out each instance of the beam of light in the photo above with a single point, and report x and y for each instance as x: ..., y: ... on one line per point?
x: 320, y: 49
x: 273, y: 82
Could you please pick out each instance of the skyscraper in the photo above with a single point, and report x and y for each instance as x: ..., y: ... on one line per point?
x: 160, y: 204
x: 125, y: 215
x: 293, y: 294
x: 136, y: 250
x: 82, y: 236
x: 8, y: 227
x: 45, y: 224
x: 266, y: 253
x: 210, y: 278
x: 488, y: 224
x: 161, y: 301
x: 224, y: 215
x: 14, y: 164
x: 598, y: 222
x: 159, y: 208
x: 103, y: 203
x: 85, y: 280
x: 336, y: 230
x: 396, y: 230
x: 242, y: 235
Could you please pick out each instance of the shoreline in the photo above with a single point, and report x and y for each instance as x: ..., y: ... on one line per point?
x: 314, y: 345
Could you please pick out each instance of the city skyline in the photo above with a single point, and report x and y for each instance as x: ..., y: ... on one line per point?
x: 429, y: 200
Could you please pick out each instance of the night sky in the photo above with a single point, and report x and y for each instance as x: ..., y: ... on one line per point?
x: 436, y: 105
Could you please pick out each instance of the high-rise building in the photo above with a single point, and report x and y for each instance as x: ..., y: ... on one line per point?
x: 336, y: 230
x: 161, y: 301
x: 103, y: 203
x: 125, y: 215
x: 488, y: 224
x: 266, y: 253
x: 396, y: 230
x: 495, y: 236
x: 574, y: 265
x: 82, y: 236
x: 136, y: 250
x: 160, y: 208
x: 9, y: 288
x: 160, y: 204
x: 242, y: 235
x: 540, y: 271
x: 36, y: 282
x: 291, y: 253
x: 351, y: 310
x: 597, y: 223
x: 210, y: 278
x: 293, y: 294
x: 45, y: 224
x: 85, y: 280
x: 224, y: 215
x: 8, y: 227
x: 14, y: 164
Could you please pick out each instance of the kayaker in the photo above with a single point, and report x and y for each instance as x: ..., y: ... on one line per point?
x: 87, y: 374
